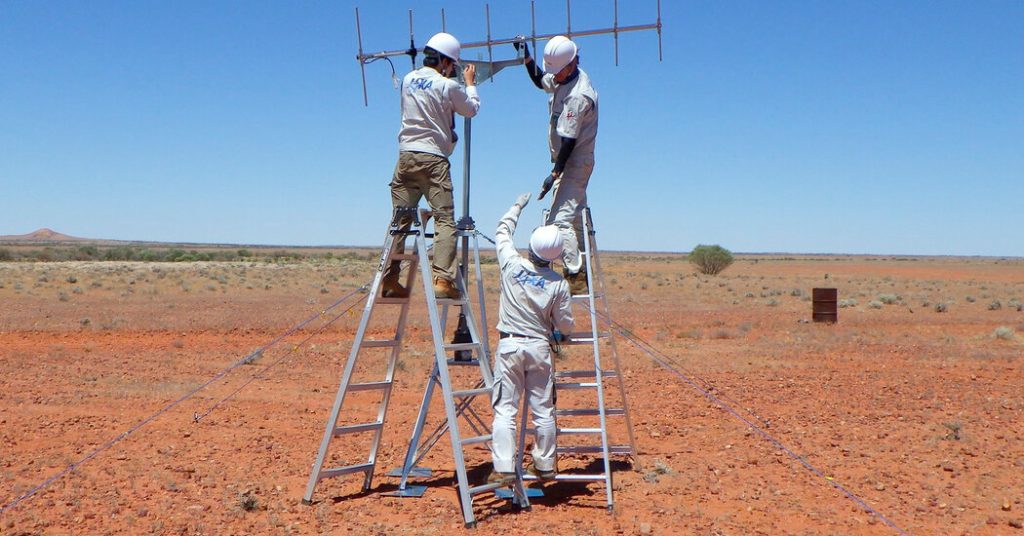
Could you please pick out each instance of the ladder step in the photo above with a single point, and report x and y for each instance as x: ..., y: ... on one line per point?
x: 384, y: 343
x: 472, y: 392
x: 586, y: 297
x: 577, y: 431
x: 589, y: 412
x: 487, y: 487
x: 404, y: 257
x: 477, y: 439
x: 456, y: 346
x: 369, y: 386
x: 356, y: 428
x: 594, y: 449
x: 449, y: 301
x: 587, y: 335
x: 347, y: 470
x: 576, y: 385
x: 398, y: 301
x: 591, y: 373
x: 565, y: 477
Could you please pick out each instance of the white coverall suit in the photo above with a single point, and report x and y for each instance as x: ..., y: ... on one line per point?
x: 534, y: 302
x: 573, y: 109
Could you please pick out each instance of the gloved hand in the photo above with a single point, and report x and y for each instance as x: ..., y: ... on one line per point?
x: 549, y: 181
x: 522, y: 200
x: 526, y: 49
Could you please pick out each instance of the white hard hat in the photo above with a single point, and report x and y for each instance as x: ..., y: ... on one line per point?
x: 559, y: 52
x: 546, y: 242
x: 446, y: 44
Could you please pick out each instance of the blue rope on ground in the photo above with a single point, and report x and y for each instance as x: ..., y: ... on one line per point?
x: 247, y: 359
x: 666, y: 362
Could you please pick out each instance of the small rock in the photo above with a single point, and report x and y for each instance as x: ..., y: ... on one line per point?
x: 880, y: 487
x: 1016, y: 523
x: 1006, y: 505
x: 645, y: 528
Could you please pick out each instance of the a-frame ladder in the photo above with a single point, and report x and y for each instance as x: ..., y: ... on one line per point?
x: 455, y: 401
x: 590, y: 380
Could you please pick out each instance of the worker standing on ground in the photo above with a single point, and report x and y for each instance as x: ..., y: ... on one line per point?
x: 534, y: 303
x: 430, y: 100
x: 572, y: 133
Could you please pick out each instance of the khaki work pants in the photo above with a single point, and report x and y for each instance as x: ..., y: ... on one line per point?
x: 427, y: 175
x: 566, y: 212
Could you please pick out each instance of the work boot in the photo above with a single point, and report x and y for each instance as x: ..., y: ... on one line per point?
x: 577, y: 282
x: 391, y: 288
x: 497, y: 477
x: 542, y: 475
x: 445, y: 289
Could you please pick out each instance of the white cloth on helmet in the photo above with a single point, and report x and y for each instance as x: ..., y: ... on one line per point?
x: 429, y: 104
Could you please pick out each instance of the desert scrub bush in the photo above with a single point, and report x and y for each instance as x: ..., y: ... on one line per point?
x: 995, y: 305
x: 6, y: 255
x: 847, y: 303
x: 1003, y: 333
x: 710, y: 260
x: 875, y: 304
x: 941, y: 308
x: 889, y: 299
x: 969, y: 299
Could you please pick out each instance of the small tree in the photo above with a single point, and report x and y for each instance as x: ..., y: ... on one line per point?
x: 710, y: 260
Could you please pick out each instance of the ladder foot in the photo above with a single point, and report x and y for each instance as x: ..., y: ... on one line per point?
x: 307, y: 502
x: 471, y: 525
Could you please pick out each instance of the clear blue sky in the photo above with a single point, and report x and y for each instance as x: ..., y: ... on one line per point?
x: 799, y: 126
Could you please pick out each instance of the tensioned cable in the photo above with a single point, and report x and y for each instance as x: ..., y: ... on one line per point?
x: 198, y: 417
x: 110, y: 443
x: 665, y: 362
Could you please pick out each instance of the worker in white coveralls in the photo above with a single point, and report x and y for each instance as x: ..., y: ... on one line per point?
x: 430, y: 99
x: 535, y: 302
x: 572, y: 133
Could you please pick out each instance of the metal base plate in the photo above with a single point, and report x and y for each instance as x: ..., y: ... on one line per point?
x: 506, y: 493
x: 415, y: 472
x: 409, y: 491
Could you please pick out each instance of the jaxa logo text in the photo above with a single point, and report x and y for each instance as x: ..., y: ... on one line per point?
x: 420, y: 84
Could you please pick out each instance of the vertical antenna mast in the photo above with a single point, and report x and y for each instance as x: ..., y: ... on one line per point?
x: 362, y: 63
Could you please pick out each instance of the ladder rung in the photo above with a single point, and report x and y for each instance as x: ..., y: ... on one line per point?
x: 356, y: 428
x: 564, y: 477
x: 404, y: 257
x: 399, y: 301
x: 477, y: 439
x: 488, y: 487
x: 449, y: 301
x: 589, y: 412
x: 571, y: 431
x: 594, y: 449
x: 588, y: 336
x: 576, y: 385
x: 456, y: 346
x: 586, y: 297
x: 347, y: 470
x: 384, y: 343
x: 369, y: 386
x: 472, y: 392
x: 591, y: 373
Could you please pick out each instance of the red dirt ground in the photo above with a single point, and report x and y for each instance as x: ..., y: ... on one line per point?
x: 916, y: 412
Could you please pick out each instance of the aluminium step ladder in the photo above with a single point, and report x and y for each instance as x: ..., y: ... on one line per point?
x: 439, y: 375
x: 590, y: 380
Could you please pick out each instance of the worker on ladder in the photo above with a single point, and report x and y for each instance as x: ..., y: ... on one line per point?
x: 534, y: 303
x: 430, y: 100
x: 572, y: 133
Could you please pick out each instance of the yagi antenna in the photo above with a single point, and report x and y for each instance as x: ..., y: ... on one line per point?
x: 489, y: 43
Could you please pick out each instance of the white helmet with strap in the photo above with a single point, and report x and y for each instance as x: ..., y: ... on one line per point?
x: 445, y: 44
x: 559, y: 52
x: 546, y: 242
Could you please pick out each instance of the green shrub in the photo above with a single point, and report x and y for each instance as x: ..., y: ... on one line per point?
x: 6, y: 255
x: 710, y: 260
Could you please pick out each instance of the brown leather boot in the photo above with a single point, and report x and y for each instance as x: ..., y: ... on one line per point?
x: 391, y: 288
x: 577, y: 282
x: 445, y: 289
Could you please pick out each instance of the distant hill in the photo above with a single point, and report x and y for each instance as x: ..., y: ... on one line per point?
x: 42, y: 235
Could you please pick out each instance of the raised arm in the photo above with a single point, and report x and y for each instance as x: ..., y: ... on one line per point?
x: 507, y: 228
